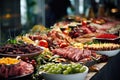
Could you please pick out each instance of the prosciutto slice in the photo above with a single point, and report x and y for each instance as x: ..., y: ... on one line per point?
x: 74, y: 54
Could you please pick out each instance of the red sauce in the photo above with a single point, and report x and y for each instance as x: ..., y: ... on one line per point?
x: 108, y: 36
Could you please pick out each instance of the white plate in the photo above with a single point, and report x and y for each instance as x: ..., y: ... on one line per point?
x: 109, y: 53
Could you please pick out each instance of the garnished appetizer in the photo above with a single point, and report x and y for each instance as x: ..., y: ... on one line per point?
x: 9, y: 61
x: 103, y: 46
x: 13, y: 67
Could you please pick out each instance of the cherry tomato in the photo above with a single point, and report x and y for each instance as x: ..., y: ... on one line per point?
x: 65, y: 32
x: 43, y: 43
x: 84, y: 23
x: 62, y: 45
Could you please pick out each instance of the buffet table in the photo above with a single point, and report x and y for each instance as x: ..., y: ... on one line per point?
x: 66, y: 50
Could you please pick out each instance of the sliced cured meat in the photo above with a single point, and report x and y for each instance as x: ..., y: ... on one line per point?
x: 16, y: 70
x: 93, y: 54
x: 67, y: 51
x: 76, y: 51
x: 60, y: 52
x: 85, y: 59
x: 73, y: 54
x: 27, y: 68
x: 79, y: 55
x: 87, y: 30
x: 86, y: 54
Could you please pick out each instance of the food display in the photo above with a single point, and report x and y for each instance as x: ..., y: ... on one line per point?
x: 108, y: 49
x: 23, y: 50
x: 19, y: 49
x: 78, y: 45
x: 63, y: 68
x: 75, y: 54
x: 9, y: 61
x: 10, y: 68
x: 63, y: 71
x: 25, y: 39
x: 63, y: 51
x: 81, y: 30
x: 103, y: 46
x: 30, y: 60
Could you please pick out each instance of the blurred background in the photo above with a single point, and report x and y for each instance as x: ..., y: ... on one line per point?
x: 19, y: 16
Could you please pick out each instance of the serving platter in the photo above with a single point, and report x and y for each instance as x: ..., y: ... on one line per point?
x: 109, y: 53
x: 21, y: 55
x: 92, y: 62
x: 21, y: 77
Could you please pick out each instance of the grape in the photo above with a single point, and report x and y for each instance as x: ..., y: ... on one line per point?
x: 26, y: 58
x: 63, y: 68
x: 60, y: 65
x: 69, y: 69
x: 46, y: 68
x: 76, y: 70
x: 82, y: 69
x: 78, y: 66
x: 65, y: 72
x: 69, y: 65
x: 33, y: 62
x: 53, y: 71
x: 29, y: 60
x: 59, y: 71
x: 49, y: 71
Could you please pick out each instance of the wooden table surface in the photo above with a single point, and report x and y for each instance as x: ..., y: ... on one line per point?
x: 90, y: 74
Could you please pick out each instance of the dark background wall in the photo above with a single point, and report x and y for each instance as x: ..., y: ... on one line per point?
x: 9, y: 18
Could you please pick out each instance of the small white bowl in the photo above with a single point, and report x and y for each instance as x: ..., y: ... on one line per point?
x: 109, y: 53
x: 77, y: 76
